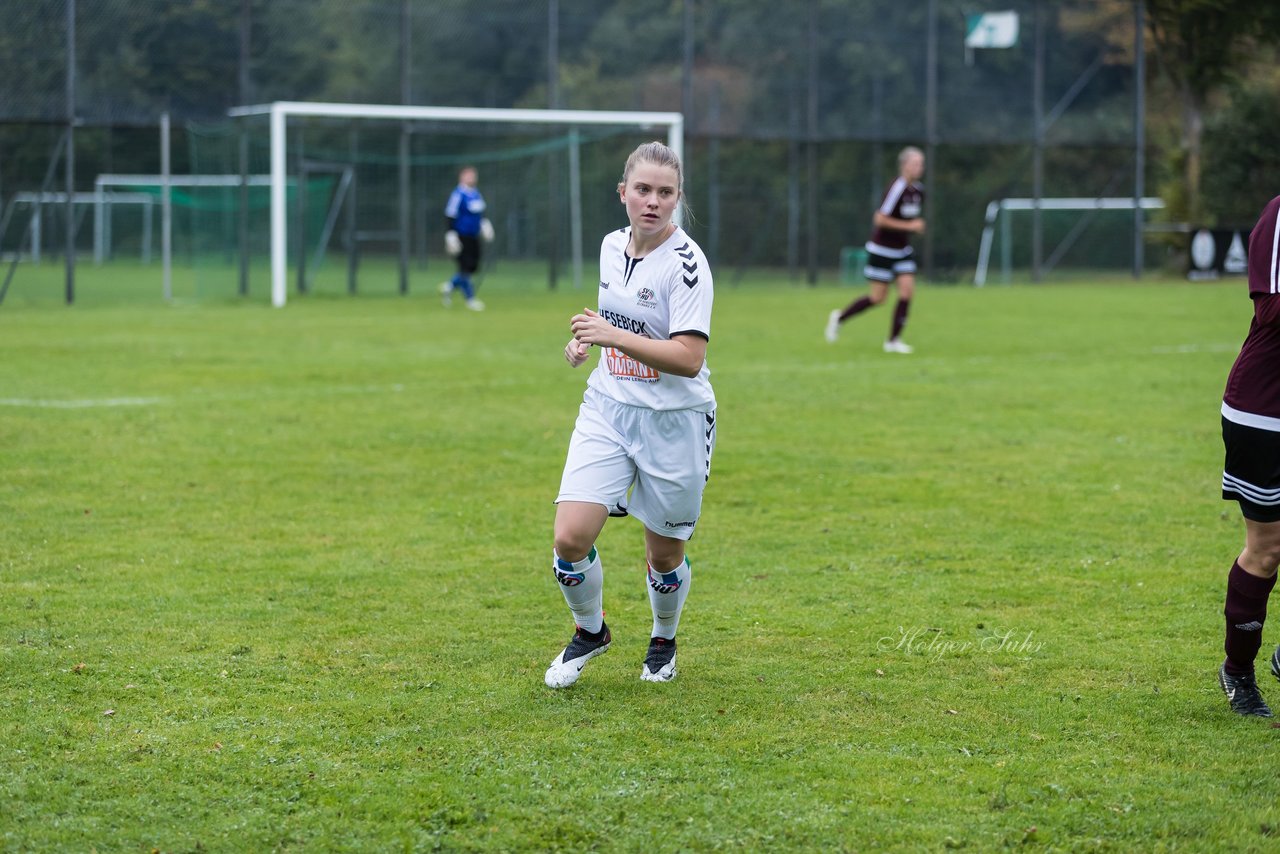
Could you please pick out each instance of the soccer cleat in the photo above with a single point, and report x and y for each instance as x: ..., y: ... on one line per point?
x: 660, y: 661
x: 893, y: 345
x: 446, y: 293
x: 833, y: 326
x: 1242, y: 692
x: 564, y: 671
x: 475, y: 304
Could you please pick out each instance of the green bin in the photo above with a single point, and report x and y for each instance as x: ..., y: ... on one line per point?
x: 852, y: 260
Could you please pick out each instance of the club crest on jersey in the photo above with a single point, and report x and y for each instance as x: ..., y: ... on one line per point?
x: 664, y: 583
x: 645, y: 298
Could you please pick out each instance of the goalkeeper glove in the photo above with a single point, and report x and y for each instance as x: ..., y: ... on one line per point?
x: 452, y: 243
x: 486, y: 230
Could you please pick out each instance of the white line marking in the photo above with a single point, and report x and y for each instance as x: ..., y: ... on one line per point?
x: 36, y: 403
x: 1196, y: 348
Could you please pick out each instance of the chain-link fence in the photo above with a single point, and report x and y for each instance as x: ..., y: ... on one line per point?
x: 794, y: 111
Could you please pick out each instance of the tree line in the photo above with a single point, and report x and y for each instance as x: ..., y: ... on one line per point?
x: 849, y: 78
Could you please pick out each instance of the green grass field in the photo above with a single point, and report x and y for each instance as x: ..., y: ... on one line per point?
x: 280, y: 579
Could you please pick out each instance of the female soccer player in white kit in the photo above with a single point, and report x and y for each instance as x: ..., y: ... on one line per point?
x: 647, y: 424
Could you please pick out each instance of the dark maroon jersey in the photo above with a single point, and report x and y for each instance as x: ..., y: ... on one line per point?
x: 903, y: 200
x: 1253, y: 386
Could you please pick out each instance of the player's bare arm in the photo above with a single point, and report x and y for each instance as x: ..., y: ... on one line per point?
x: 683, y: 355
x: 915, y: 226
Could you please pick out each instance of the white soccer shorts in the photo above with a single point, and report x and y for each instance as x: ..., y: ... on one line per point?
x: 662, y: 458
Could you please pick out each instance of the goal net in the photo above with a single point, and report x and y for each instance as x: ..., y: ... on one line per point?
x: 354, y: 194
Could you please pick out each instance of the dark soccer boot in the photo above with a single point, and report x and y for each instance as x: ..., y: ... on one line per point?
x: 660, y: 661
x: 1243, y: 694
x: 564, y: 671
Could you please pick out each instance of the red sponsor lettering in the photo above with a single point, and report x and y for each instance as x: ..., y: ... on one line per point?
x: 624, y: 367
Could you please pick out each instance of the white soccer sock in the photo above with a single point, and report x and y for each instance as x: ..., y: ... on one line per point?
x: 582, y: 584
x: 667, y: 592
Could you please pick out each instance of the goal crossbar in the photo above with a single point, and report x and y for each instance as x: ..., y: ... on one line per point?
x: 279, y: 112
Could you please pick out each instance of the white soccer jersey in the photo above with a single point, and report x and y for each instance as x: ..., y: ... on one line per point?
x: 667, y: 292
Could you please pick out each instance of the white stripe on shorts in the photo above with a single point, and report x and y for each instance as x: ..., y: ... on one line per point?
x: 1256, y: 494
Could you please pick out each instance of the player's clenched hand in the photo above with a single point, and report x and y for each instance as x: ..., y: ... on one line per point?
x: 575, y: 352
x: 919, y: 229
x: 591, y: 328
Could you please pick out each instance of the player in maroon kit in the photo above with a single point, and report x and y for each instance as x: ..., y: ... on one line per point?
x: 1251, y: 474
x: 889, y: 255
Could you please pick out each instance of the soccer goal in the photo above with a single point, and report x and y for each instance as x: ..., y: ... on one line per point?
x: 545, y: 174
x: 33, y: 208
x: 1071, y: 220
x: 191, y: 192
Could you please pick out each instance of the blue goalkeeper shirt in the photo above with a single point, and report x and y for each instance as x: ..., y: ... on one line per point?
x: 465, y: 209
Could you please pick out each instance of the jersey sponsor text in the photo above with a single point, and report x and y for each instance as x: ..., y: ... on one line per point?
x: 624, y: 367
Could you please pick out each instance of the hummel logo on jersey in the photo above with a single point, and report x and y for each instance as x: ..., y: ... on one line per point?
x: 604, y: 286
x: 1253, y: 626
x: 690, y: 266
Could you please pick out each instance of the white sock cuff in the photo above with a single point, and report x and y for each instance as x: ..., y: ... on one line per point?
x: 674, y: 578
x: 576, y: 565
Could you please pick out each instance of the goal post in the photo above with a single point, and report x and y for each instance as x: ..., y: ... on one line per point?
x: 279, y: 113
x: 998, y: 212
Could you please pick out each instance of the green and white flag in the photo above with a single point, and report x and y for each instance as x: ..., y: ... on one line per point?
x: 991, y: 29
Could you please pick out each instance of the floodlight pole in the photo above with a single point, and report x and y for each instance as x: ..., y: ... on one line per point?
x: 1139, y: 131
x: 245, y: 18
x: 1037, y: 165
x: 811, y: 150
x: 553, y: 162
x: 931, y: 125
x: 166, y: 209
x: 405, y: 98
x: 70, y: 162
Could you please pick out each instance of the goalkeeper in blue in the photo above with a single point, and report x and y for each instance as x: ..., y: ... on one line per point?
x: 467, y: 227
